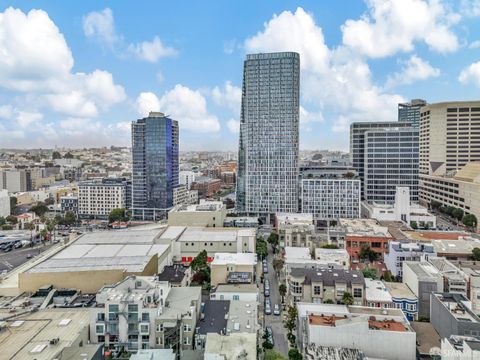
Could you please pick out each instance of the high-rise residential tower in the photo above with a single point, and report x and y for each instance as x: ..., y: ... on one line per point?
x: 154, y: 166
x: 410, y: 112
x: 269, y: 134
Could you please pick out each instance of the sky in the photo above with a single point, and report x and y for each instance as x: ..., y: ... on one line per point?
x: 76, y: 74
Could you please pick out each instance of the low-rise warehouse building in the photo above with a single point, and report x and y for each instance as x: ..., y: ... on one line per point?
x: 98, y: 259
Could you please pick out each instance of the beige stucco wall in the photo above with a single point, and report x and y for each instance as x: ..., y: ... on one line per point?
x: 84, y: 281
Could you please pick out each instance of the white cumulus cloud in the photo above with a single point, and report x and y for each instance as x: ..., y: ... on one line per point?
x: 151, y: 51
x: 100, y: 24
x: 25, y: 119
x: 414, y: 69
x: 471, y: 74
x: 234, y: 126
x: 392, y: 26
x: 337, y: 81
x: 229, y: 96
x: 187, y: 106
x: 293, y: 32
x: 37, y: 61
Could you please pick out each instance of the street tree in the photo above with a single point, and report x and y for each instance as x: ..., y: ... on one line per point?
x: 118, y: 214
x: 282, y: 289
x: 347, y: 298
x: 458, y: 214
x: 70, y: 218
x: 470, y: 220
x: 476, y: 254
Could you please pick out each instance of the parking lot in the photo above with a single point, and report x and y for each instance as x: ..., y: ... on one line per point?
x: 16, y: 257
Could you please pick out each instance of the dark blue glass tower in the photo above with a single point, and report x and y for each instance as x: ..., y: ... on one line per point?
x: 154, y: 165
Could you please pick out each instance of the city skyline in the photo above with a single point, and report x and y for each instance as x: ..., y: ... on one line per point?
x: 99, y: 71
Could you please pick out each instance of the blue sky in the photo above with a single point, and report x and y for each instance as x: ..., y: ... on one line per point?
x: 77, y: 73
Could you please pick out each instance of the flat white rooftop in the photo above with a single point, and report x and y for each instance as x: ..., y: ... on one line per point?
x: 207, y: 234
x: 235, y: 258
x: 297, y: 253
x: 127, y: 250
x: 375, y: 291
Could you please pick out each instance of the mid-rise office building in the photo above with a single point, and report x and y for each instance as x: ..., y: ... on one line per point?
x: 450, y: 155
x: 154, y: 165
x: 357, y: 142
x: 269, y: 134
x: 16, y: 180
x: 391, y: 160
x: 410, y: 112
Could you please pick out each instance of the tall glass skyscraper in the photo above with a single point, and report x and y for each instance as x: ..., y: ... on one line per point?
x: 269, y: 130
x: 154, y: 165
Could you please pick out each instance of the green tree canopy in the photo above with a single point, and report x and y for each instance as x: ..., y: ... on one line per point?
x: 368, y: 254
x: 370, y: 272
x: 435, y: 205
x: 347, y: 298
x: 329, y: 246
x: 273, y: 239
x: 294, y: 354
x: 470, y: 220
x: 70, y: 218
x: 118, y: 214
x: 200, y: 261
x: 12, y: 219
x: 282, y: 289
x: 56, y: 155
x: 476, y: 254
x: 39, y: 209
x: 261, y: 248
x: 387, y: 276
x: 2, y: 221
x: 413, y: 225
x: 458, y: 213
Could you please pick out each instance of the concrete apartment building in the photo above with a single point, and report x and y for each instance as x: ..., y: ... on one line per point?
x: 422, y: 278
x: 206, y: 187
x: 378, y: 333
x: 319, y: 285
x: 329, y: 199
x: 267, y: 175
x: 454, y: 281
x: 450, y: 154
x: 186, y: 178
x: 207, y: 213
x: 69, y: 203
x: 398, y: 252
x: 242, y: 292
x: 136, y: 312
x: 460, y: 348
x: 228, y: 268
x: 96, y: 199
x: 295, y: 232
x: 182, y: 196
x: 450, y: 315
x: 460, y: 249
x: 301, y: 258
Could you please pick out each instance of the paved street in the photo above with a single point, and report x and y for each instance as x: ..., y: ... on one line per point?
x: 17, y: 257
x: 275, y: 321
